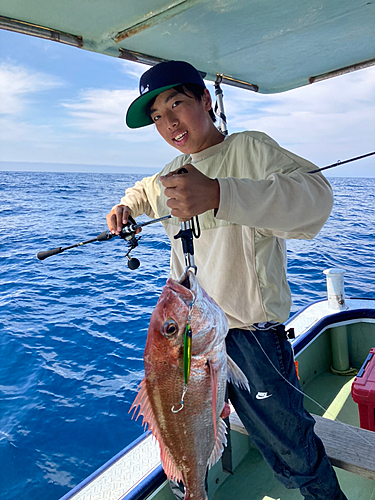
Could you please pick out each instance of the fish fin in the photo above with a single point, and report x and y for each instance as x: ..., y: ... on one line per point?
x: 142, y: 403
x: 214, y: 381
x: 221, y: 441
x: 169, y: 465
x: 236, y: 376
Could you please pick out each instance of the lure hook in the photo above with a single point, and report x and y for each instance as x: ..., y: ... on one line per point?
x: 182, y: 401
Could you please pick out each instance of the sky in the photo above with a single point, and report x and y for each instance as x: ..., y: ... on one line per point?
x: 60, y: 106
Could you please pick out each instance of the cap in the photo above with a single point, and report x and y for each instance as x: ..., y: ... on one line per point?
x: 156, y: 80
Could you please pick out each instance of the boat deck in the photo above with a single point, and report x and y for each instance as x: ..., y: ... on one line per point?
x: 253, y: 474
x: 333, y: 393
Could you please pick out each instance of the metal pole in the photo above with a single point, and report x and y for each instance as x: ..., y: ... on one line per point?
x: 219, y: 106
x: 335, y: 288
x: 339, y: 335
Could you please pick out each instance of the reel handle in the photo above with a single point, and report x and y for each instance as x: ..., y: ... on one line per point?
x: 133, y: 263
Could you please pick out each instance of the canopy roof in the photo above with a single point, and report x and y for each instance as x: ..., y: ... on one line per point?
x: 274, y: 45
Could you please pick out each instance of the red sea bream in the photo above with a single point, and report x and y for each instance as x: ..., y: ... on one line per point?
x: 181, y: 409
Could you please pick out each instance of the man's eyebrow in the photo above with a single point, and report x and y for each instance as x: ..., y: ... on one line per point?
x: 171, y: 96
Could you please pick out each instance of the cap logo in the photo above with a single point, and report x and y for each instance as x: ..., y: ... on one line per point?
x: 145, y: 89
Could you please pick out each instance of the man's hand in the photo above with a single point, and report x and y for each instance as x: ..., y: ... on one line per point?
x: 117, y: 218
x: 191, y: 193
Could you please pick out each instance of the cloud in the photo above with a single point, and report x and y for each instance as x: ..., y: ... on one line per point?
x: 133, y: 70
x: 102, y: 111
x: 325, y: 121
x: 17, y: 131
x: 337, y: 96
x: 18, y: 83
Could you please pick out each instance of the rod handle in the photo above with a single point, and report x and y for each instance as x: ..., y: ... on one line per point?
x: 48, y: 253
x: 104, y: 236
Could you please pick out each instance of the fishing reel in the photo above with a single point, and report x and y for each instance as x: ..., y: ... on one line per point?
x: 128, y: 234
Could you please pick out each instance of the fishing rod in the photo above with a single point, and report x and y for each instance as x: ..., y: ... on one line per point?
x: 339, y: 162
x: 186, y: 233
x: 127, y: 234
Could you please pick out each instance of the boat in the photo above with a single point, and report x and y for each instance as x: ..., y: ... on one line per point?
x: 266, y: 47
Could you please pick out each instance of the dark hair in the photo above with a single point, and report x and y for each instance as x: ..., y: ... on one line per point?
x: 196, y: 90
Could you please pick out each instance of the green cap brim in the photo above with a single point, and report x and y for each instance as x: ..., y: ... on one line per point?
x: 136, y: 115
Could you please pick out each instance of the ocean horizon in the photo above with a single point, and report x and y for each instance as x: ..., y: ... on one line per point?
x: 21, y: 166
x: 26, y: 166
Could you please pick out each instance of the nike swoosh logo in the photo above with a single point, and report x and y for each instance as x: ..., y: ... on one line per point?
x: 263, y: 395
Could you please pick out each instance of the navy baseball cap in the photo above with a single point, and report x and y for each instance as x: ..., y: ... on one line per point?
x: 156, y: 80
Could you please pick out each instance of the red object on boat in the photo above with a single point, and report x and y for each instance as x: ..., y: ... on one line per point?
x: 363, y: 392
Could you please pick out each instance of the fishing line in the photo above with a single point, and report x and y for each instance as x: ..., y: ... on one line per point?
x: 306, y: 395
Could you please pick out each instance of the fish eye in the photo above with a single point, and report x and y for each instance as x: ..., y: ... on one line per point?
x: 170, y: 328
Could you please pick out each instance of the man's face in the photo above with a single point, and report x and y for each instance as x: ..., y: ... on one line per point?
x: 183, y: 121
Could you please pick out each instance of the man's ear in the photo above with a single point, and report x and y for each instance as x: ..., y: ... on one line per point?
x: 206, y: 98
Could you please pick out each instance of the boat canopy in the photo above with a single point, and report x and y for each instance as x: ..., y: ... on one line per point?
x: 265, y: 45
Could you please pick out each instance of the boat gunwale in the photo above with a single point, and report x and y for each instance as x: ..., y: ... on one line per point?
x: 148, y: 485
x: 327, y: 321
x: 142, y: 487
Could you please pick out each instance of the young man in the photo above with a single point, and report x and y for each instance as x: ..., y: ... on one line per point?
x: 250, y: 195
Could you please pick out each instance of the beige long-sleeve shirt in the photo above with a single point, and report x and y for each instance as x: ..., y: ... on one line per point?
x: 266, y: 196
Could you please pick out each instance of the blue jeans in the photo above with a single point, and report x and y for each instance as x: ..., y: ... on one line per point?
x: 274, y: 416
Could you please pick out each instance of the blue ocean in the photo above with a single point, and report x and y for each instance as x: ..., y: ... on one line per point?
x: 73, y: 327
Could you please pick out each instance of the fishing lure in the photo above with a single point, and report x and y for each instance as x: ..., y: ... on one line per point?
x: 187, y: 352
x: 186, y: 358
